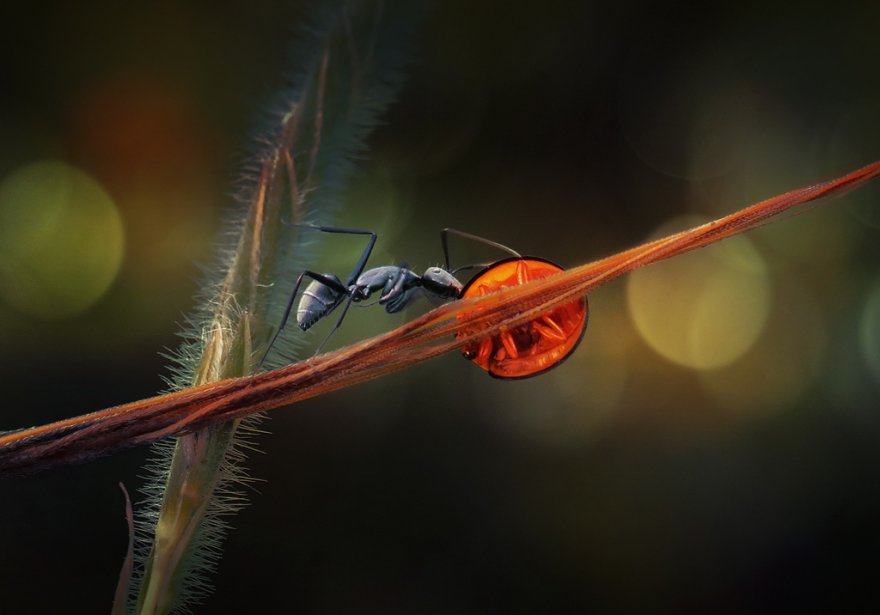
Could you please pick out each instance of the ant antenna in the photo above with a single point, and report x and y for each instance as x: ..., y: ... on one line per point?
x: 493, y: 244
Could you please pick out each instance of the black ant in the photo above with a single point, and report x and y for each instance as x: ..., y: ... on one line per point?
x: 398, y: 284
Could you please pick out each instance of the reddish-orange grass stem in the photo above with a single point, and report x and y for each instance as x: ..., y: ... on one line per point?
x: 432, y: 334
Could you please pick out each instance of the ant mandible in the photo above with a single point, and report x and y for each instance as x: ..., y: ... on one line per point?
x: 521, y: 352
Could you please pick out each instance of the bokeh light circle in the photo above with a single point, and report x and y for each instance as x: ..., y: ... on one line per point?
x: 61, y: 240
x: 704, y: 309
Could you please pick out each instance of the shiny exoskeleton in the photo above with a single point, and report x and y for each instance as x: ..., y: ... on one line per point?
x: 398, y: 285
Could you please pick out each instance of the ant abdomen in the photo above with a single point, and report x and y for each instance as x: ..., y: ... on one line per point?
x: 317, y: 301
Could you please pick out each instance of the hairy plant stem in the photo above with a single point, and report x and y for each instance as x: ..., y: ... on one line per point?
x: 193, y: 476
x: 441, y: 330
x: 350, y: 69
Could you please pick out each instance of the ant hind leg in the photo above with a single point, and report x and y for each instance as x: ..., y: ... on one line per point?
x: 365, y: 255
x: 329, y: 282
x: 339, y: 288
x: 335, y: 327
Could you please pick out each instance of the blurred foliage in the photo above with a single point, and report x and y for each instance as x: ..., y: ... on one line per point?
x: 620, y: 481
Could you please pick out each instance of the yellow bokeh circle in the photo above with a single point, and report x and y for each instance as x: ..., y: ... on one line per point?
x: 61, y: 240
x: 703, y: 309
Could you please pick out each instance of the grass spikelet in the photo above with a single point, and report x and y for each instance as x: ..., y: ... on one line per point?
x: 349, y: 64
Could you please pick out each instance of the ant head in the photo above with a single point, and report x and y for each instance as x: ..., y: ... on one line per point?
x: 440, y: 282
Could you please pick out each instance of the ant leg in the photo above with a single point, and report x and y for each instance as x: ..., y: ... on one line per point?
x: 445, y: 242
x: 329, y: 282
x: 342, y: 290
x: 336, y: 326
x: 365, y: 255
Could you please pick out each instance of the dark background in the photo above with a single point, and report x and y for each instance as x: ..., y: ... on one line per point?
x: 620, y: 482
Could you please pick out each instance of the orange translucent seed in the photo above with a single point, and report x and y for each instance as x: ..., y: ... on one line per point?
x: 533, y: 347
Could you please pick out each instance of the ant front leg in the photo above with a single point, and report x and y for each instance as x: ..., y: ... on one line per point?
x: 331, y: 283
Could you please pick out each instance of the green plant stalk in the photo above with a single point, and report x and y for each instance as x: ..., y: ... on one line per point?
x: 350, y: 70
x: 193, y: 476
x: 196, y: 467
